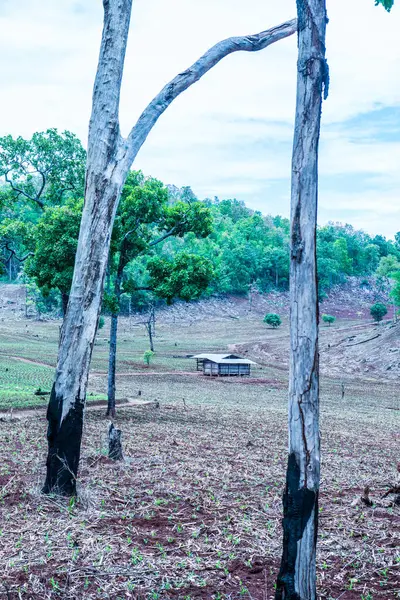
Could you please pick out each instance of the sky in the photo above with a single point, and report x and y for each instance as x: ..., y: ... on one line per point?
x: 229, y: 135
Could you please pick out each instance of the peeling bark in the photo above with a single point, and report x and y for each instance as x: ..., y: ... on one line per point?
x: 109, y: 159
x: 104, y: 180
x: 297, y: 576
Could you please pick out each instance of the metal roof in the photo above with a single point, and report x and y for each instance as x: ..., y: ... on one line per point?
x: 215, y: 356
x: 236, y: 361
x: 223, y: 359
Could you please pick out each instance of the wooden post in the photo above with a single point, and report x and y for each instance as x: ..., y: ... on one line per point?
x: 114, y: 443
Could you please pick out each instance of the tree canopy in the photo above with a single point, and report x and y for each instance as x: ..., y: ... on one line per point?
x: 247, y: 250
x: 44, y: 169
x: 378, y: 311
x: 56, y: 239
x: 387, y: 4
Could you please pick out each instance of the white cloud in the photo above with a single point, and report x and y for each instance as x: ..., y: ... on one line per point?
x: 340, y: 155
x: 230, y: 134
x: 371, y: 211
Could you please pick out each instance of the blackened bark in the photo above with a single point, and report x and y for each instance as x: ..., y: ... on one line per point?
x: 299, y: 505
x: 64, y: 440
x: 114, y: 443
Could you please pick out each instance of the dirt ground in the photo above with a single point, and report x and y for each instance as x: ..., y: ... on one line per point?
x: 365, y: 349
x: 194, y: 511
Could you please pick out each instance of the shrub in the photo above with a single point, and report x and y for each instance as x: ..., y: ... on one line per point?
x: 147, y: 356
x: 101, y: 322
x: 328, y: 319
x: 273, y: 320
x: 378, y: 311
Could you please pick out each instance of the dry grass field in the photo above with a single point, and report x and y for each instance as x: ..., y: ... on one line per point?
x: 194, y: 511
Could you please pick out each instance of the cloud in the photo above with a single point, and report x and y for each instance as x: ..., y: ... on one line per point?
x: 231, y: 133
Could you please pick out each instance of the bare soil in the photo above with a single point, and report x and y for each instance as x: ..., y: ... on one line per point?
x: 366, y: 351
x: 194, y: 510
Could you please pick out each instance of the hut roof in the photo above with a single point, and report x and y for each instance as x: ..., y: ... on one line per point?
x: 224, y: 359
x: 211, y: 356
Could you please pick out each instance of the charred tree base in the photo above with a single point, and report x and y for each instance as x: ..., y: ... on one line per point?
x: 299, y: 506
x: 114, y: 443
x: 64, y: 440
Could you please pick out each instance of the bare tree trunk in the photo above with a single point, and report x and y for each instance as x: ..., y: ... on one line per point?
x: 149, y: 327
x: 108, y: 277
x: 297, y: 576
x: 113, y: 341
x: 151, y: 341
x: 153, y: 319
x: 104, y: 180
x: 108, y: 160
x: 112, y: 359
x: 64, y: 303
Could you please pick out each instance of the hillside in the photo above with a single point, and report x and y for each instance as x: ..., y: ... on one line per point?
x: 353, y: 346
x: 351, y: 300
x: 364, y: 350
x: 12, y: 301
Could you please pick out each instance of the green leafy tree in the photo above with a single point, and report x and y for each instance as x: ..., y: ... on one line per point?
x: 329, y: 319
x: 396, y: 288
x: 16, y: 243
x: 273, y: 320
x: 145, y: 219
x: 45, y: 169
x: 387, y: 4
x: 387, y: 266
x: 35, y: 301
x: 147, y: 356
x: 56, y: 236
x: 186, y: 277
x: 378, y: 311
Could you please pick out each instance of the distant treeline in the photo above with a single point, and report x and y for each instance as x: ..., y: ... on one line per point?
x: 248, y: 249
x: 166, y: 242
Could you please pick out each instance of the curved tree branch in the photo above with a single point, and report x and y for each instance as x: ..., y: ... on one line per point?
x: 12, y: 252
x: 249, y: 43
x: 20, y: 191
x: 163, y: 237
x: 42, y: 186
x: 18, y: 258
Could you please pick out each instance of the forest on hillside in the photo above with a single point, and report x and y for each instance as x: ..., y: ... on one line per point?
x: 161, y: 233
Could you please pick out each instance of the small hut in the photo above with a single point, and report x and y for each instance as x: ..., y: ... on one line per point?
x: 223, y: 365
